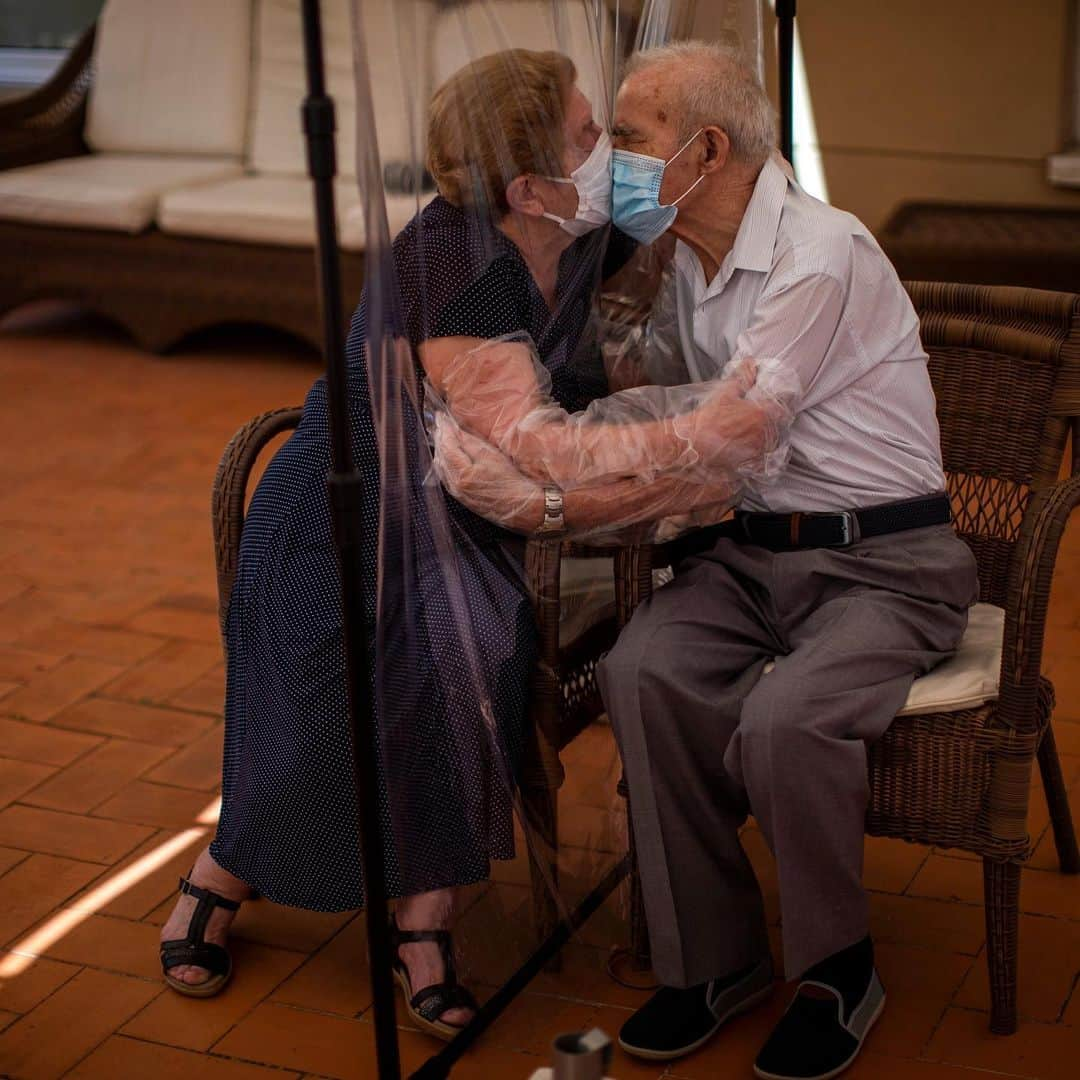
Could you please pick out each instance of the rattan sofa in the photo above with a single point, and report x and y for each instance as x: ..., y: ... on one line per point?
x: 159, y: 178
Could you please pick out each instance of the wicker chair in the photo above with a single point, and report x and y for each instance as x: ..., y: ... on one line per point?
x: 565, y: 697
x: 1005, y: 363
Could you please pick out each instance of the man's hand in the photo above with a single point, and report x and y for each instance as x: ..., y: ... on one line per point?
x: 485, y: 480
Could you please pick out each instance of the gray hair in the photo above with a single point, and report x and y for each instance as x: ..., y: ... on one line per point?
x: 713, y: 86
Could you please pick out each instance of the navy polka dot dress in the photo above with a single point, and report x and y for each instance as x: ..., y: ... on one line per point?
x: 288, y: 823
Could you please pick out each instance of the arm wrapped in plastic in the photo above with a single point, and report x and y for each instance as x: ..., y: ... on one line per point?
x: 625, y: 464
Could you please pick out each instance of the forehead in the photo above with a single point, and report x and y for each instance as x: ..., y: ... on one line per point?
x: 644, y: 103
x: 578, y: 109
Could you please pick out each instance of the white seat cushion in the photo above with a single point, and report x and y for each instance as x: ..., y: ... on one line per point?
x: 102, y: 191
x: 271, y: 210
x: 171, y: 78
x: 969, y: 678
x: 972, y: 676
x: 400, y: 210
x: 467, y: 31
x: 259, y: 209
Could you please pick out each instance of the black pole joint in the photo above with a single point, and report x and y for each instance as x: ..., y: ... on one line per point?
x: 319, y: 127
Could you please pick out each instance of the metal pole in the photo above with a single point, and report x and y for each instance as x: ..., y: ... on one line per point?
x: 344, y: 490
x: 785, y: 51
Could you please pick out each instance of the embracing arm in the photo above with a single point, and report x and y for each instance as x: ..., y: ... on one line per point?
x: 498, y: 391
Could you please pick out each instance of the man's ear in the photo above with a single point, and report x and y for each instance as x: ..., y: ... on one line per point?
x: 717, y: 149
x: 522, y: 196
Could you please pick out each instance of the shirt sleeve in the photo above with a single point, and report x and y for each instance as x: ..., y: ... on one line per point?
x: 795, y: 328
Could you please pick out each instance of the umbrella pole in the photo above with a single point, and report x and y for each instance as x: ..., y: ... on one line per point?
x: 785, y: 51
x: 345, y: 490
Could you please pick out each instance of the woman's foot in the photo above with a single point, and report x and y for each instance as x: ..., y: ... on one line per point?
x: 206, y: 874
x: 424, y: 959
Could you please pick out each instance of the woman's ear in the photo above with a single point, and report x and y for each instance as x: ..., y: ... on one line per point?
x: 522, y: 197
x: 717, y: 149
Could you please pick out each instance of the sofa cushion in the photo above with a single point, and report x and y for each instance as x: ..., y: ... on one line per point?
x: 279, y: 83
x: 102, y: 191
x: 465, y: 31
x: 171, y: 77
x: 271, y: 210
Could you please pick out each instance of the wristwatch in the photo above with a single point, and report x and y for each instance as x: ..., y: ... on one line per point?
x: 553, y: 512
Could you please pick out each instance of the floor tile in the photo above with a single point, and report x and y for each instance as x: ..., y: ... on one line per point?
x: 1049, y: 968
x: 110, y: 944
x: 196, y: 766
x: 927, y: 924
x: 288, y: 928
x: 154, y: 804
x: 335, y: 979
x: 22, y: 665
x: 10, y: 857
x: 206, y: 694
x: 97, y: 776
x: 52, y: 1038
x: 19, y: 777
x: 50, y: 691
x: 890, y: 865
x: 1042, y: 892
x: 124, y: 1057
x: 33, y: 984
x: 44, y: 745
x: 1045, y: 1051
x: 68, y: 638
x: 72, y: 835
x: 166, y: 620
x: 154, y: 887
x: 170, y: 670
x: 37, y: 886
x: 305, y: 1041
x: 197, y: 1025
x: 141, y: 722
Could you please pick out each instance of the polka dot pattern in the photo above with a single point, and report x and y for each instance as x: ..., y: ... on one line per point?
x: 450, y: 692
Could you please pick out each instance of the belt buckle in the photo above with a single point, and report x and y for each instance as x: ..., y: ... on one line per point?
x: 849, y: 528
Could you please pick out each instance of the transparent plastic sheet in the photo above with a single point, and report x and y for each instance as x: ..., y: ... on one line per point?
x: 458, y: 141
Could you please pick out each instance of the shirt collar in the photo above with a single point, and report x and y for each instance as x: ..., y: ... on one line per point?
x: 755, y: 241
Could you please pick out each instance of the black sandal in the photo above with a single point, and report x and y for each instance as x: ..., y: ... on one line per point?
x: 195, y: 949
x: 426, y: 1006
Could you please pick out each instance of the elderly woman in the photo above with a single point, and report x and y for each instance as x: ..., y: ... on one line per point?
x: 509, y: 247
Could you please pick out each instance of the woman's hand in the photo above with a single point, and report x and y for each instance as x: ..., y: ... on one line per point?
x: 485, y: 480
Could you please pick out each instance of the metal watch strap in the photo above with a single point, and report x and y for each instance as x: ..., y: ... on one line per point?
x: 554, y: 521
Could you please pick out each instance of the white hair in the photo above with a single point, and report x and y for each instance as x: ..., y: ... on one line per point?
x: 712, y: 85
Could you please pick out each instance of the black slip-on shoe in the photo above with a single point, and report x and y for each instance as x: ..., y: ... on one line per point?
x: 675, y: 1022
x: 814, y: 1040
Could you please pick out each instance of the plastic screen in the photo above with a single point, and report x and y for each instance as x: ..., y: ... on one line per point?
x: 503, y: 373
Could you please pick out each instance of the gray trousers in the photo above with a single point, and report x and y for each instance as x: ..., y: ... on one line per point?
x: 706, y: 738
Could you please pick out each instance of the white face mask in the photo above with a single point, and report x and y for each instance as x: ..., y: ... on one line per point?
x: 592, y: 179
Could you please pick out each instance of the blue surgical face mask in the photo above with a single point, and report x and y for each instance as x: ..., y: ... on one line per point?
x: 635, y: 193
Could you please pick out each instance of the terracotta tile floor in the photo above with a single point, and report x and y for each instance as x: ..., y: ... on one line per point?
x: 110, y: 730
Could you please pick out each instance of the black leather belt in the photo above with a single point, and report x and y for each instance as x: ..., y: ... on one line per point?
x: 793, y: 532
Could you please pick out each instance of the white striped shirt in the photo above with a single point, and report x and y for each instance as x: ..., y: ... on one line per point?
x: 807, y: 285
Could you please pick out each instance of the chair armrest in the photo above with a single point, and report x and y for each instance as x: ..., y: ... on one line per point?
x: 1030, y: 579
x: 633, y: 578
x: 230, y: 489
x: 47, y: 123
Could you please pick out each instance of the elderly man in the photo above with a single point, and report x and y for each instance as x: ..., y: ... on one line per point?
x: 843, y: 569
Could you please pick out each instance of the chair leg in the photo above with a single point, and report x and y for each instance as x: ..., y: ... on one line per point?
x: 542, y: 818
x: 1001, y: 889
x: 1057, y: 799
